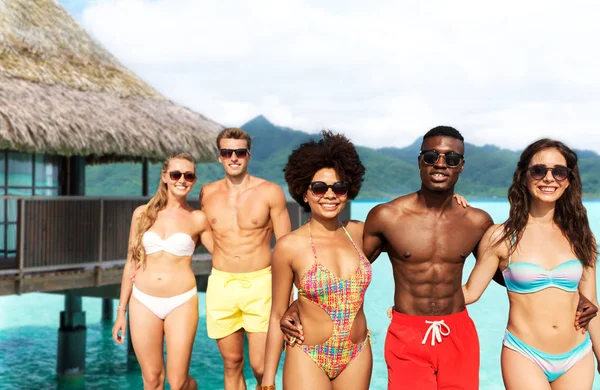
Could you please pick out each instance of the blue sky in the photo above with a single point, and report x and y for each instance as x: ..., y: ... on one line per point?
x: 382, y: 72
x: 74, y: 7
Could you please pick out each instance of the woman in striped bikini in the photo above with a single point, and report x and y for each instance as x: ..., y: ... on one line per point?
x: 324, y: 259
x: 548, y: 255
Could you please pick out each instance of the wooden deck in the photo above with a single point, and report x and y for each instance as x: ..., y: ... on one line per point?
x: 102, y: 281
x: 79, y: 245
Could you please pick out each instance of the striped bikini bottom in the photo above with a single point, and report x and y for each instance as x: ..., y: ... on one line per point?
x: 553, y: 365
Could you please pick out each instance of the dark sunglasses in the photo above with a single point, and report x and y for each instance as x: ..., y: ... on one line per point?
x: 431, y: 157
x: 227, y: 153
x: 539, y: 171
x: 319, y: 188
x: 188, y: 176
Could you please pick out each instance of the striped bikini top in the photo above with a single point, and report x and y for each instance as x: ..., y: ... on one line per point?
x: 340, y: 298
x: 524, y: 277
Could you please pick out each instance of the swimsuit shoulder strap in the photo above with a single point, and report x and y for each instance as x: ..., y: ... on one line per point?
x: 350, y: 237
x: 312, y: 244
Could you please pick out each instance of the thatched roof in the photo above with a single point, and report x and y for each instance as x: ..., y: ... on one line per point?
x: 62, y: 93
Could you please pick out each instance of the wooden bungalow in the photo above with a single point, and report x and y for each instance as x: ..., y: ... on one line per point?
x: 66, y: 102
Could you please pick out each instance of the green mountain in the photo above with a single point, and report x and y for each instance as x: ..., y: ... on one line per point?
x: 390, y: 171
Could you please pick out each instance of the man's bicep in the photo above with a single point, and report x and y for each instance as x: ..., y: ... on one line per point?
x: 200, y: 198
x: 373, y: 241
x: 279, y: 215
x: 282, y: 280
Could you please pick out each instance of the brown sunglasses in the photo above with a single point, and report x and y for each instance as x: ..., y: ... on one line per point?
x: 187, y: 176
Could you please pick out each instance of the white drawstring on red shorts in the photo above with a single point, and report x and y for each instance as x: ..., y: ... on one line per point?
x: 436, y: 331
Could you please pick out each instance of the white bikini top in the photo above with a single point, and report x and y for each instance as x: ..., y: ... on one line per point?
x: 178, y: 244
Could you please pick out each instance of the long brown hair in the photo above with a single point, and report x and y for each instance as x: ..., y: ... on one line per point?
x: 569, y: 214
x: 157, y: 203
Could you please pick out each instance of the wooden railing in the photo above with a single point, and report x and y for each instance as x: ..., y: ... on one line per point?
x: 60, y: 233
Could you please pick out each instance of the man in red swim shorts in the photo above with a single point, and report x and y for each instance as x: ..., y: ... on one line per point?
x: 432, y: 342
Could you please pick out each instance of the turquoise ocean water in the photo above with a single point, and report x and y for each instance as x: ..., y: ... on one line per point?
x: 29, y: 324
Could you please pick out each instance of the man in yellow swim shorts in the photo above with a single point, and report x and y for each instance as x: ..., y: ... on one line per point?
x: 243, y: 212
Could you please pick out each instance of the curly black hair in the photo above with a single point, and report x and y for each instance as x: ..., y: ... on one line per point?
x: 331, y: 151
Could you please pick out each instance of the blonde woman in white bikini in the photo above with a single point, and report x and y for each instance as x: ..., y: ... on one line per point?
x: 163, y: 300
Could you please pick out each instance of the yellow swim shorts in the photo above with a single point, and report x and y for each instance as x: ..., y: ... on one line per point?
x: 238, y: 300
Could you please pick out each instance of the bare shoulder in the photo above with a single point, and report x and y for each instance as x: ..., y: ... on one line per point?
x: 269, y: 186
x: 209, y: 188
x: 199, y: 217
x: 139, y: 210
x: 354, y: 227
x: 479, y: 217
x: 393, y: 208
x: 274, y: 187
x: 290, y: 242
x: 492, y: 237
x: 271, y: 192
x: 494, y: 232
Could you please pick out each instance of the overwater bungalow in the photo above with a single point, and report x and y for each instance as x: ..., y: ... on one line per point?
x: 66, y: 102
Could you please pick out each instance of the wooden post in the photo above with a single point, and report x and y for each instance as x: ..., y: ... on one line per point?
x: 101, y: 232
x: 70, y: 366
x: 145, y: 177
x: 72, y: 333
x: 21, y: 241
x: 107, y: 309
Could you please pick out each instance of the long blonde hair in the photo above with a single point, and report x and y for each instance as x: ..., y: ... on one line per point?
x: 157, y: 203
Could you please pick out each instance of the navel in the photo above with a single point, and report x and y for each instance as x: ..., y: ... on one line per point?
x: 407, y: 254
x: 433, y: 308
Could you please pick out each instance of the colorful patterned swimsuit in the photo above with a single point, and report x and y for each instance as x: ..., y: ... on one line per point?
x: 340, y: 299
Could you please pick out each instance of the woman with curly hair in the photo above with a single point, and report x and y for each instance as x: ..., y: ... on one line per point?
x: 547, y: 254
x: 324, y: 259
x: 164, y: 301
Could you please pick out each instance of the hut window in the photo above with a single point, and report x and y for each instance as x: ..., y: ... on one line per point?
x: 46, y: 175
x: 20, y: 173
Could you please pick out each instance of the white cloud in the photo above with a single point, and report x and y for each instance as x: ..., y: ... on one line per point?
x: 384, y: 73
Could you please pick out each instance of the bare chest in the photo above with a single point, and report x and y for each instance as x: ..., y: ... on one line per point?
x: 420, y: 240
x: 234, y: 213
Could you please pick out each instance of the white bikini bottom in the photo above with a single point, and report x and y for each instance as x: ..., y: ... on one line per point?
x: 161, y: 307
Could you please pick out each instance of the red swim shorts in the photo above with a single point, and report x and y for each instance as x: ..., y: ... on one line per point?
x: 437, y: 352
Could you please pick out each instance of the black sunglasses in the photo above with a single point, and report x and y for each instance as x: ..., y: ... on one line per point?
x: 320, y: 188
x: 187, y: 176
x: 539, y: 171
x: 240, y: 153
x: 431, y: 157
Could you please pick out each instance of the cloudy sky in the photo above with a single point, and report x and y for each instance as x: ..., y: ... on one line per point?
x: 503, y: 73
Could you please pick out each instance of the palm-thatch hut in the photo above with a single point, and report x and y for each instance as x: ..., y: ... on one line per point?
x: 64, y: 102
x: 62, y: 93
